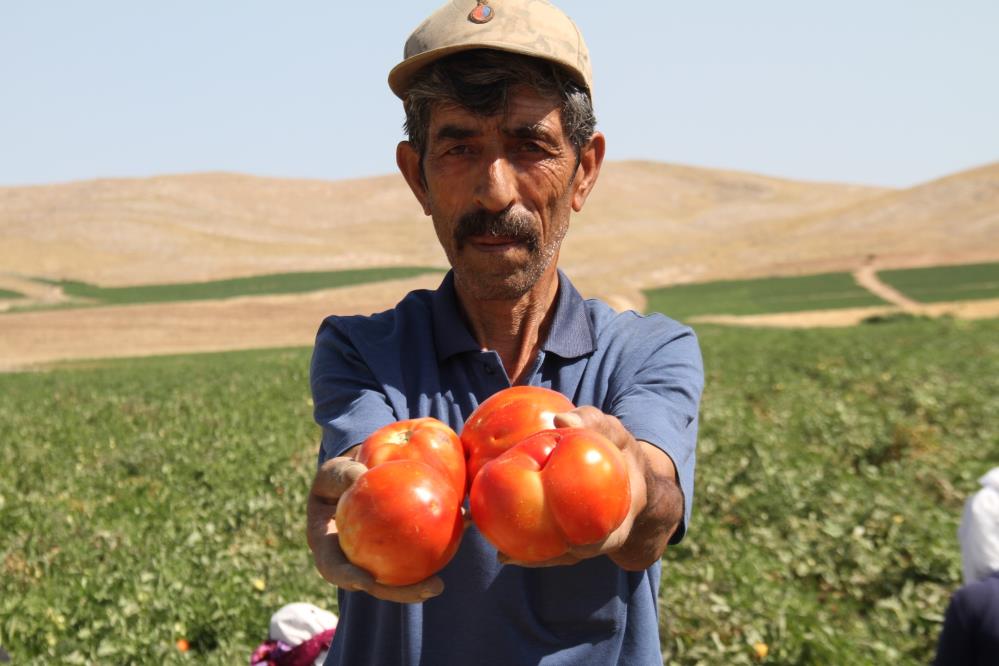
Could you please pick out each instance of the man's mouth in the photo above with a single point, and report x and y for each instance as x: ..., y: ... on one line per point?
x: 493, y: 244
x: 496, y: 232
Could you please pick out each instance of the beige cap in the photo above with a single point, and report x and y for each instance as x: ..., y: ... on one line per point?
x: 535, y: 28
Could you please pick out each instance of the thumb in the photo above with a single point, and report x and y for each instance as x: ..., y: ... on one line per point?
x: 568, y: 420
x: 335, y: 476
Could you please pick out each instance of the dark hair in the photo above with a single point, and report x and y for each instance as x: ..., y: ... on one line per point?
x: 480, y: 80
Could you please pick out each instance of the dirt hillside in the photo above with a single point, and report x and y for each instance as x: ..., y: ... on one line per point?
x: 647, y: 224
x: 210, y: 226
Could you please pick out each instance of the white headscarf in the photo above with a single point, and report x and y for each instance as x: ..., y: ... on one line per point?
x: 979, y: 530
x: 298, y: 622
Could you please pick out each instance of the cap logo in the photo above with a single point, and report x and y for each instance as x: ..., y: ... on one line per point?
x: 482, y: 13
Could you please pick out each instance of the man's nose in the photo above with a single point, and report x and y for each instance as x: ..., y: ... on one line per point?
x: 497, y: 187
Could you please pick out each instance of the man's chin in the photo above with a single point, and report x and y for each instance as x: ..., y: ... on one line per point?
x: 486, y: 286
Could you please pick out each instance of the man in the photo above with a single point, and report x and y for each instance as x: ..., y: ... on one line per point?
x: 501, y: 150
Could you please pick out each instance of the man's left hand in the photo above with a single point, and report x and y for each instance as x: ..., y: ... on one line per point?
x: 656, y: 501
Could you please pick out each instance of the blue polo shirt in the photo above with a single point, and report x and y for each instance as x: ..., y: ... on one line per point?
x: 419, y: 359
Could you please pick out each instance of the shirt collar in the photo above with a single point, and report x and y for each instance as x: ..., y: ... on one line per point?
x: 571, y: 334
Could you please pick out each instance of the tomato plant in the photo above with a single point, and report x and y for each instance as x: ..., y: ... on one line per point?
x: 554, y: 490
x: 400, y: 521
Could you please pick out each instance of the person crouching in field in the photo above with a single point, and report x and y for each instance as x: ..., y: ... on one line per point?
x: 970, y: 634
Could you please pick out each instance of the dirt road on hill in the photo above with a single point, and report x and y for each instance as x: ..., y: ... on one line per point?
x: 984, y: 309
x: 867, y: 277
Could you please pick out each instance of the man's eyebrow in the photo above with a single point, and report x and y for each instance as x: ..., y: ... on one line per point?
x: 454, y: 132
x: 538, y: 131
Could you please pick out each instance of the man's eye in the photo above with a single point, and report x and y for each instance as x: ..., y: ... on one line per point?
x: 461, y: 149
x: 531, y: 147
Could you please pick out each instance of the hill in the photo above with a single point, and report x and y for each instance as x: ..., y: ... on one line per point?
x: 647, y: 225
x: 207, y: 226
x: 211, y: 226
x: 952, y: 220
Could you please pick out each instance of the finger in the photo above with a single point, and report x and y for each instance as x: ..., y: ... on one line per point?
x: 343, y: 474
x: 333, y: 565
x: 408, y: 594
x: 351, y: 578
x: 593, y: 419
x: 319, y: 518
x: 589, y: 550
x: 561, y: 560
x: 335, y: 476
x: 568, y: 420
x: 582, y: 417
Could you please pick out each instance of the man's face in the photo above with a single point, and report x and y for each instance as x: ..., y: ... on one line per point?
x: 500, y: 190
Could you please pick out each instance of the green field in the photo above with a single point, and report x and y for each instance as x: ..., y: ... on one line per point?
x: 145, y: 501
x: 761, y: 296
x: 6, y: 293
x: 258, y: 285
x: 946, y: 283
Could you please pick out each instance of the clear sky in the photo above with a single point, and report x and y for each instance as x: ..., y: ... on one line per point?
x: 888, y: 92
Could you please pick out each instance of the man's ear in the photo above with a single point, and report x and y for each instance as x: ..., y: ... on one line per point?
x: 591, y: 156
x: 408, y: 159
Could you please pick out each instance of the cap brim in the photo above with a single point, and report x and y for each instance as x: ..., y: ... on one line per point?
x: 402, y: 74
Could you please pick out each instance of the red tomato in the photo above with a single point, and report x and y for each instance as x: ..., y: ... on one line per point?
x: 400, y: 521
x: 506, y: 418
x: 556, y: 489
x: 426, y: 439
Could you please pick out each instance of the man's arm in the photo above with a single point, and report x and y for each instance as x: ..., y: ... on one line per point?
x: 658, y: 520
x: 349, y: 405
x: 652, y: 419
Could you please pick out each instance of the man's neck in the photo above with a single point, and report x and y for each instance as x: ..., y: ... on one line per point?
x: 515, y: 329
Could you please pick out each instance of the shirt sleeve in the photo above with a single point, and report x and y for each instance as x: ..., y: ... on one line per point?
x: 348, y: 401
x: 658, y: 399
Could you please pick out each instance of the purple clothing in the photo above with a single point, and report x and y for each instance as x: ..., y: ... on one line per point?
x: 970, y: 635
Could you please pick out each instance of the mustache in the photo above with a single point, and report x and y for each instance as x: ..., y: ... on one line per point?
x: 518, y: 225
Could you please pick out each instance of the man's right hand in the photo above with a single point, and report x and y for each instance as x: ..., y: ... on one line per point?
x: 334, y: 477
